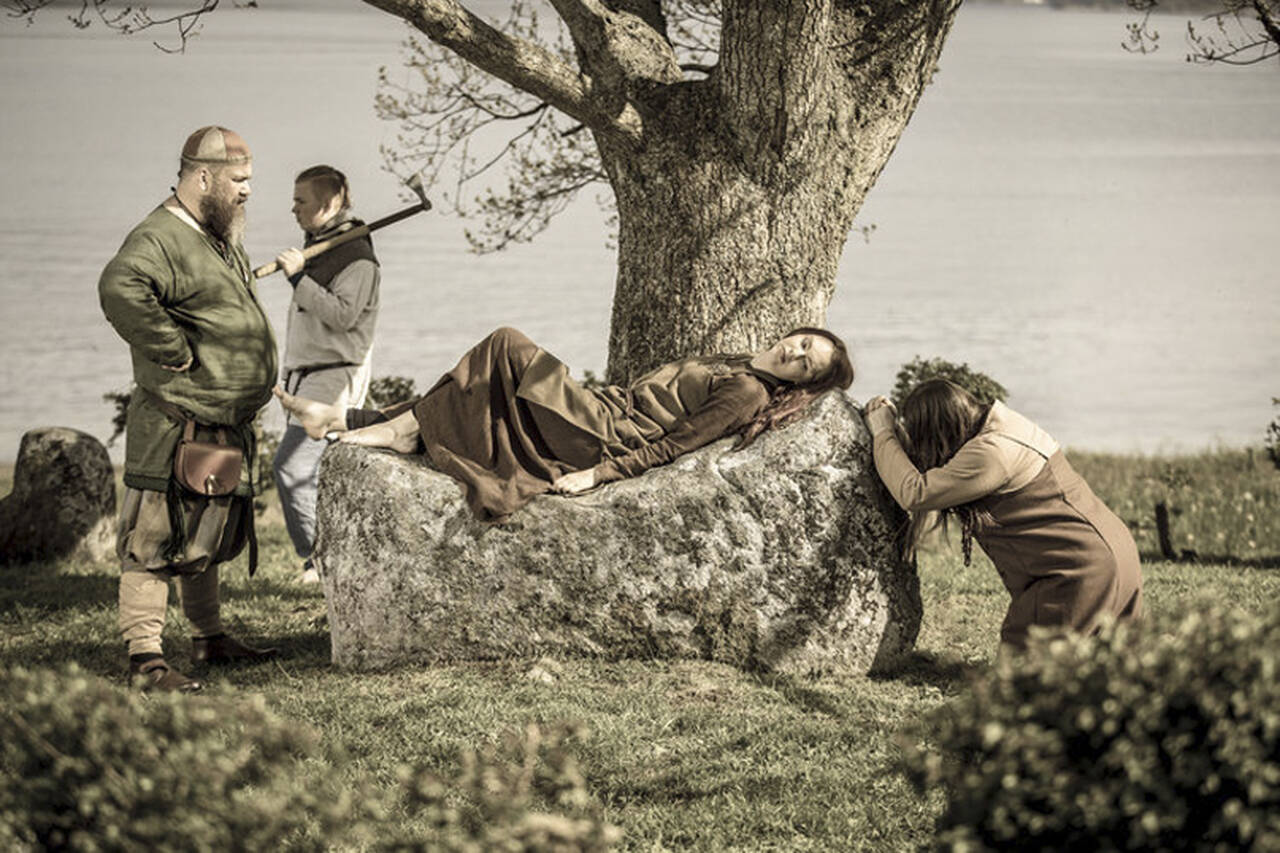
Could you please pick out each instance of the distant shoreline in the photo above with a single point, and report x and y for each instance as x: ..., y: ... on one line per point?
x: 1164, y: 7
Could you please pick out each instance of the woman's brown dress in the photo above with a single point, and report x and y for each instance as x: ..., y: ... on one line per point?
x: 1065, y: 558
x: 509, y: 419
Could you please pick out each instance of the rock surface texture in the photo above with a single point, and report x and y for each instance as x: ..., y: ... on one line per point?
x: 63, y: 501
x: 780, y: 556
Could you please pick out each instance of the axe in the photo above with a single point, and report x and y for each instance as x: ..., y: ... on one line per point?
x: 414, y: 183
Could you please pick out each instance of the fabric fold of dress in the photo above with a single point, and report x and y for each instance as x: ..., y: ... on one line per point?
x: 1065, y: 558
x: 508, y: 419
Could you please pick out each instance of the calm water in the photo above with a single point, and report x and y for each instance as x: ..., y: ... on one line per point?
x: 1094, y: 229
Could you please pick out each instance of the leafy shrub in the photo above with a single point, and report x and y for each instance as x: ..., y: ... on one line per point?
x: 1122, y: 741
x: 119, y: 401
x: 591, y: 381
x: 388, y: 390
x: 980, y: 385
x: 266, y: 443
x: 501, y: 790
x: 1273, y: 436
x: 90, y: 766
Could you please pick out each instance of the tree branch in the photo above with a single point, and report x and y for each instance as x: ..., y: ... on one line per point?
x: 1225, y: 46
x: 1267, y: 17
x: 618, y: 48
x: 441, y: 114
x: 127, y: 19
x: 510, y: 146
x: 521, y: 63
x: 542, y: 183
x: 649, y: 11
x: 694, y: 31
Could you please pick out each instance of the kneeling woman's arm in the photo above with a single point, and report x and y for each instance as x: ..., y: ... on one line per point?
x: 977, y: 469
x: 733, y: 403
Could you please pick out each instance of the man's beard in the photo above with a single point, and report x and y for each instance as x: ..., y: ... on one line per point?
x: 224, y: 218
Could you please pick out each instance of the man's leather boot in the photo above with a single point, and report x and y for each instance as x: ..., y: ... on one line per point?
x: 155, y: 674
x: 222, y: 648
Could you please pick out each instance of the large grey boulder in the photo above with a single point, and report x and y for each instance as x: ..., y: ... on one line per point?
x: 780, y: 556
x: 63, y: 502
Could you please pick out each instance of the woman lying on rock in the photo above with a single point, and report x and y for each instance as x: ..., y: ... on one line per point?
x: 510, y: 423
x: 1064, y: 557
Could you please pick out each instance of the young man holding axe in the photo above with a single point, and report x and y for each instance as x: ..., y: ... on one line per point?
x: 330, y: 335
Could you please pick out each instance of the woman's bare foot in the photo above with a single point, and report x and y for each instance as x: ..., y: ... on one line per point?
x: 400, y: 434
x: 316, y: 418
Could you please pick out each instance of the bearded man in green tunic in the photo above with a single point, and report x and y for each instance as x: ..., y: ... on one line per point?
x: 180, y: 293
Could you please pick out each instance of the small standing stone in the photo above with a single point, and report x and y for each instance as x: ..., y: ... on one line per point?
x: 63, y: 501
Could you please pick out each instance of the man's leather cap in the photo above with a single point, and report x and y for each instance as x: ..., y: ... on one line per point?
x: 215, y: 145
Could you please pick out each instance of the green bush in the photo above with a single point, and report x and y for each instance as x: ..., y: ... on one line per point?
x: 119, y: 401
x: 388, y: 390
x: 980, y: 385
x: 501, y: 790
x: 1122, y: 741
x: 90, y: 766
x: 1273, y: 436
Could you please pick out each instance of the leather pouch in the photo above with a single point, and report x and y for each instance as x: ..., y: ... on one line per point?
x: 207, y: 467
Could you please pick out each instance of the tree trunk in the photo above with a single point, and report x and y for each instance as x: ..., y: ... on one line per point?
x: 734, y: 209
x: 710, y: 261
x: 736, y: 192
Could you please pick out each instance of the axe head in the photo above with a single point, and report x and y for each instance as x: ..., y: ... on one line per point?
x: 415, y: 183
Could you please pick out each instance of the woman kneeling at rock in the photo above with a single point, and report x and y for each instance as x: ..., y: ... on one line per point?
x: 510, y: 423
x: 1064, y: 557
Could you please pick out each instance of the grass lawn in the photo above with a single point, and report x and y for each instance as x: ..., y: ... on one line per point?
x: 680, y: 755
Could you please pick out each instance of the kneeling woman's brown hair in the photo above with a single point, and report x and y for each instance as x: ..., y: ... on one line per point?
x: 789, y: 401
x: 938, y: 417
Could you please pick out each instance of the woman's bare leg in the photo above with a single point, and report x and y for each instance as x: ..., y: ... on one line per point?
x: 316, y: 418
x: 400, y: 434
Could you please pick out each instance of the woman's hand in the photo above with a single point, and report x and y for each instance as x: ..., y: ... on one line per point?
x: 880, y: 414
x: 572, y: 484
x: 879, y: 402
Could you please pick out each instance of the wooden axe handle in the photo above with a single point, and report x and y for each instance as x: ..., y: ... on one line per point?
x: 347, y: 236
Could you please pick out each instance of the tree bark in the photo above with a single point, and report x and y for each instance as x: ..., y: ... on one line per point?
x: 734, y: 211
x: 735, y: 193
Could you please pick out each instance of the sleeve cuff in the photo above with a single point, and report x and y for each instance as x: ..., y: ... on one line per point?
x: 607, y: 472
x: 175, y: 362
x: 880, y: 420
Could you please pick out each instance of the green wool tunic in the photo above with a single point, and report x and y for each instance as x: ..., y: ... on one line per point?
x: 171, y: 295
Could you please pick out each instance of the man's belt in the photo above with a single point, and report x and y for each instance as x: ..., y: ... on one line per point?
x: 303, y: 372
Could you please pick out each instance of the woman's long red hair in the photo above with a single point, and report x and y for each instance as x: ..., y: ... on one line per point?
x: 788, y: 401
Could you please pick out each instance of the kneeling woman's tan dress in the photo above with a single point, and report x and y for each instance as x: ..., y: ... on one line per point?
x: 1064, y: 557
x: 509, y: 419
